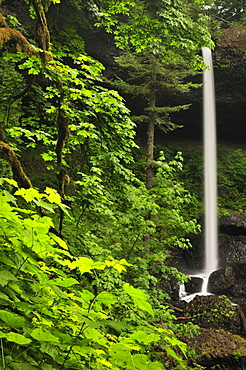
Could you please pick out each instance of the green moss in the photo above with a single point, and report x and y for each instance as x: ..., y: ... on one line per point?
x: 214, y: 312
x: 237, y: 355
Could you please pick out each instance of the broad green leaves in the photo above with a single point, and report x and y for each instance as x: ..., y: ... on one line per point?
x: 16, y: 338
x: 163, y: 28
x: 76, y: 312
x: 12, y: 320
x: 43, y: 335
x: 138, y: 298
x: 48, y: 313
x: 87, y: 264
x: 6, y: 277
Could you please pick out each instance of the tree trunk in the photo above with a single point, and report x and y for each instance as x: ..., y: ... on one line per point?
x: 6, y: 152
x: 151, y: 137
x: 150, y: 153
x: 150, y: 149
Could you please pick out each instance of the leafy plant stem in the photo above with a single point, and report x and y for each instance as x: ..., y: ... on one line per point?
x: 71, y: 347
x: 133, y: 363
x: 2, y: 353
x: 17, y: 272
x: 6, y: 365
x: 130, y: 251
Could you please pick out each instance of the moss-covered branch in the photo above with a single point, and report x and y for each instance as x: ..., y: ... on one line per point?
x: 6, y: 152
x: 10, y: 35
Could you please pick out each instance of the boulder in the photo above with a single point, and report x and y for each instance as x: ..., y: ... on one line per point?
x: 218, y: 349
x: 222, y: 281
x: 214, y: 312
x: 234, y: 250
x: 232, y: 279
x: 194, y: 285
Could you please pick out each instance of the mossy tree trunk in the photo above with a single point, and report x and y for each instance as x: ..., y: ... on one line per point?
x: 12, y: 36
x: 151, y: 135
x: 42, y: 31
x: 6, y: 152
x: 150, y: 144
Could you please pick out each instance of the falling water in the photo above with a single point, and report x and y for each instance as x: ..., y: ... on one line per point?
x: 210, y: 178
x: 210, y: 169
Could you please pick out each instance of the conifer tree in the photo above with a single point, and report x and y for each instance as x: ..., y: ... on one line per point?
x: 160, y: 42
x: 153, y: 80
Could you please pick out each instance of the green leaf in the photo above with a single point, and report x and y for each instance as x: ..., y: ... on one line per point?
x: 95, y: 336
x: 65, y: 282
x: 4, y: 297
x: 9, y: 181
x: 59, y: 241
x: 117, y: 325
x: 17, y: 338
x: 23, y: 365
x: 52, y: 196
x: 65, y: 209
x: 11, y: 319
x: 28, y: 194
x: 142, y: 362
x: 43, y: 335
x: 172, y: 353
x: 83, y: 263
x: 5, y: 277
x: 86, y: 297
x: 86, y: 351
x: 43, y: 204
x: 9, y: 196
x: 144, y: 338
x: 138, y: 298
x: 117, y: 265
x: 107, y: 298
x: 24, y: 306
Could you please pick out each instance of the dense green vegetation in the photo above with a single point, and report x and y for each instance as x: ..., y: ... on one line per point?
x: 87, y: 223
x: 231, y: 175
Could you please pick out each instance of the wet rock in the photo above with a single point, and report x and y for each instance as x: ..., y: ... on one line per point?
x: 217, y: 349
x: 230, y: 280
x: 194, y: 285
x: 222, y: 281
x: 235, y: 252
x: 233, y: 224
x: 194, y: 257
x: 169, y: 286
x: 214, y: 312
x: 239, y: 290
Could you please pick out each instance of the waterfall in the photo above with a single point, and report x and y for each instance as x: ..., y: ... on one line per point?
x: 210, y: 169
x: 210, y: 178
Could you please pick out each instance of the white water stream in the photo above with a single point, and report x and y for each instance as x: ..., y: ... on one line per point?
x: 210, y: 166
x: 210, y: 177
